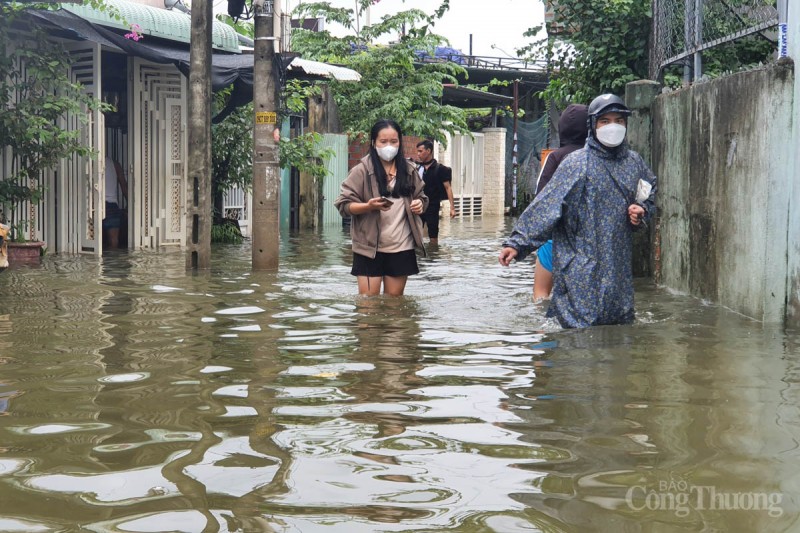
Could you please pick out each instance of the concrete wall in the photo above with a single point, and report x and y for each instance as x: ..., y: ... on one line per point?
x: 494, y: 171
x: 639, y: 97
x: 723, y: 156
x: 792, y: 142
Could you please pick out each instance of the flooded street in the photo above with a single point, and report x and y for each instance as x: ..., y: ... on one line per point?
x: 135, y: 397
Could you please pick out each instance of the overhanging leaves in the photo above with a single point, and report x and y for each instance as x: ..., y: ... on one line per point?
x: 395, y: 84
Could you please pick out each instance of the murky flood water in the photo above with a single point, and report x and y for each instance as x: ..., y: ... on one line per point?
x: 134, y: 397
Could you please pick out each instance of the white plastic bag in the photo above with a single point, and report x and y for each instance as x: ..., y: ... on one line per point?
x: 643, y: 191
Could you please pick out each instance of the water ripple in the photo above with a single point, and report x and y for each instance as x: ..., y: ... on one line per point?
x: 135, y: 397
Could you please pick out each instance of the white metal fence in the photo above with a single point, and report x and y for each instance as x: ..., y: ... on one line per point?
x: 466, y: 160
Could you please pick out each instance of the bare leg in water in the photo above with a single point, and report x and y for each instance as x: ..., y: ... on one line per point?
x: 392, y: 286
x: 542, y: 282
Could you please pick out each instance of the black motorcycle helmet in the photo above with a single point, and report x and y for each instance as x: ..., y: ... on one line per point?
x: 605, y: 103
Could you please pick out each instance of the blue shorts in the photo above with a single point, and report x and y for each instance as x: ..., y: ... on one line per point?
x: 545, y: 255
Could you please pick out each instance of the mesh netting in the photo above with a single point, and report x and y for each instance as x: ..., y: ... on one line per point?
x: 532, y: 137
x: 681, y: 27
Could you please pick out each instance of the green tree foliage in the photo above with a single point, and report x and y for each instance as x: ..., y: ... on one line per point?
x: 232, y: 142
x: 231, y: 139
x: 724, y: 18
x: 394, y: 82
x: 302, y: 152
x: 603, y: 46
x: 305, y: 153
x: 600, y: 45
x: 743, y: 53
x: 231, y: 165
x: 226, y: 233
x: 242, y: 27
x: 232, y: 152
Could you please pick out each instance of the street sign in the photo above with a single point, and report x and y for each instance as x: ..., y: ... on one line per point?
x: 266, y: 117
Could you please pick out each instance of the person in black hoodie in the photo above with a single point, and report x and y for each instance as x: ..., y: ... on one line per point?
x: 572, y: 132
x: 599, y: 196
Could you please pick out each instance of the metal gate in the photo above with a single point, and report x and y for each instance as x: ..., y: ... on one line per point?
x: 337, y: 173
x: 236, y: 206
x: 467, y: 165
x: 157, y: 108
x: 75, y: 193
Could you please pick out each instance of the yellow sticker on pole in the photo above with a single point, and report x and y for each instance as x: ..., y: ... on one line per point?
x: 266, y: 117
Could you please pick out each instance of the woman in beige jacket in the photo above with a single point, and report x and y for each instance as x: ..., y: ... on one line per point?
x: 383, y: 197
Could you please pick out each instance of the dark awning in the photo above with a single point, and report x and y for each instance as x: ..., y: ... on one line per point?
x: 467, y: 98
x: 226, y: 69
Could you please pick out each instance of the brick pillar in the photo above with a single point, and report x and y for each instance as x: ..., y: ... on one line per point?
x: 494, y: 171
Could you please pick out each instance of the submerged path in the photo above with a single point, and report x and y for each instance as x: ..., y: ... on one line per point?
x: 135, y: 397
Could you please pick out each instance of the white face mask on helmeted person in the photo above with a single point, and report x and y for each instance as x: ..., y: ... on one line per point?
x: 611, y: 135
x: 387, y: 153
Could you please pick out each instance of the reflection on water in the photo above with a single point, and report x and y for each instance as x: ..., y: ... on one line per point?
x: 135, y: 397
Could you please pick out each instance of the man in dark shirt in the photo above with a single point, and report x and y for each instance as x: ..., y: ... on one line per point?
x: 437, y: 180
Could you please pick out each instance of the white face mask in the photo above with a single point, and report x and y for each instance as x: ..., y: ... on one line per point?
x: 611, y: 135
x: 387, y: 153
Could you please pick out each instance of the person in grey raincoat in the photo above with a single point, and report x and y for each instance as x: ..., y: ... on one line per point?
x: 598, y: 196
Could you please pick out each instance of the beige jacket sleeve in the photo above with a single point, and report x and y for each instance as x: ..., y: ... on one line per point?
x: 353, y: 190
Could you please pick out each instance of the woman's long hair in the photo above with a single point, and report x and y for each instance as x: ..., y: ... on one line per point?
x: 402, y: 183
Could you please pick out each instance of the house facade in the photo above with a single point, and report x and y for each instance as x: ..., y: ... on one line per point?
x: 144, y: 138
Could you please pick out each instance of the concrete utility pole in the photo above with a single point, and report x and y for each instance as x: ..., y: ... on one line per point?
x: 266, y: 167
x: 198, y: 193
x: 514, y: 151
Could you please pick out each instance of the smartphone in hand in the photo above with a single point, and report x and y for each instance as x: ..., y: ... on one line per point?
x: 386, y: 201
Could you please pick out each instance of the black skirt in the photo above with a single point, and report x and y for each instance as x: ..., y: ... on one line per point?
x: 395, y: 265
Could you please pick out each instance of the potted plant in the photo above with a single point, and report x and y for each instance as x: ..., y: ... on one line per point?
x: 19, y: 248
x: 36, y: 93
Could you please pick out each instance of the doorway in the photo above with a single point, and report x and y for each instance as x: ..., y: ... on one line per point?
x: 115, y: 93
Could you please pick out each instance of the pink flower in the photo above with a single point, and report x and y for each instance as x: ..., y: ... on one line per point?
x: 135, y: 34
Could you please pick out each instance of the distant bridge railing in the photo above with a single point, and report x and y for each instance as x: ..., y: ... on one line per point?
x: 490, y: 63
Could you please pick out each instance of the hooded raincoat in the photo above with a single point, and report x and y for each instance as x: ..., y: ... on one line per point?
x: 584, y: 210
x: 572, y: 133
